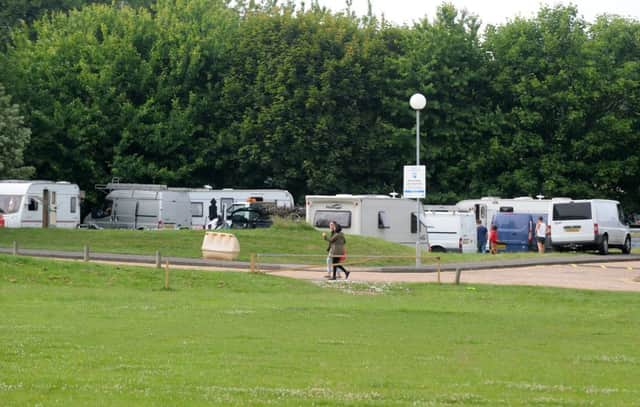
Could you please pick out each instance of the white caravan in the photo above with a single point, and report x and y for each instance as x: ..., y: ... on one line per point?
x: 379, y: 216
x: 39, y: 204
x: 142, y: 206
x: 207, y: 204
x: 451, y: 230
x: 486, y: 208
x: 589, y: 224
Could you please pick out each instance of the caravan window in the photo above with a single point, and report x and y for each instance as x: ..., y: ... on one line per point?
x: 196, y: 209
x: 74, y: 204
x: 10, y: 203
x: 322, y: 218
x: 383, y: 220
x: 572, y: 211
x: 33, y: 204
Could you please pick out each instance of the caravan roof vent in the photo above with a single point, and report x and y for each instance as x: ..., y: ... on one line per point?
x: 63, y: 182
x: 523, y: 198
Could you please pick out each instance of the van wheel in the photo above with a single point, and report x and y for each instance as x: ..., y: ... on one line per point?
x: 626, y: 248
x: 604, y: 246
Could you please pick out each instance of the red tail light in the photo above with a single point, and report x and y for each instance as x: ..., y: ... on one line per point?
x: 595, y: 229
x: 1, y: 221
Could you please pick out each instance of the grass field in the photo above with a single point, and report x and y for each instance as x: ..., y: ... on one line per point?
x: 90, y: 334
x: 284, y: 238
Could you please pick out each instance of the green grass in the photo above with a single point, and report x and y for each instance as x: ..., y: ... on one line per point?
x: 283, y: 238
x: 90, y: 334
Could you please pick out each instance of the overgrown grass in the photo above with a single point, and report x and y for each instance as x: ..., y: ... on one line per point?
x: 284, y: 237
x: 90, y: 334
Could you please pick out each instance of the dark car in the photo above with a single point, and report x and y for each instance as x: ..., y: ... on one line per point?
x: 250, y: 218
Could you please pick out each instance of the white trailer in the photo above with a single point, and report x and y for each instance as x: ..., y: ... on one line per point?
x: 378, y: 216
x: 141, y: 206
x: 207, y: 204
x: 485, y: 208
x: 39, y: 204
x: 451, y: 230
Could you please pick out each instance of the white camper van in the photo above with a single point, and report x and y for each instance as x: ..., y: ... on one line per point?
x: 142, y: 206
x: 589, y: 224
x: 369, y: 215
x: 206, y: 203
x: 451, y: 230
x: 39, y: 204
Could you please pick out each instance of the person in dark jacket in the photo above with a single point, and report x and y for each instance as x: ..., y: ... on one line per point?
x: 337, y: 250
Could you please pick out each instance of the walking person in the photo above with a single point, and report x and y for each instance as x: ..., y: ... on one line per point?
x: 542, y: 230
x: 332, y: 230
x: 493, y: 239
x: 481, y: 238
x: 337, y: 249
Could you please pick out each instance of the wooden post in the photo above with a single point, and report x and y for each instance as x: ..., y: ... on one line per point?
x: 252, y: 264
x: 438, y: 270
x: 85, y: 255
x: 458, y: 272
x: 166, y: 275
x: 15, y: 248
x: 158, y: 259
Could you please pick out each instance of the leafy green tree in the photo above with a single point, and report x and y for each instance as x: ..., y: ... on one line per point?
x: 14, y: 137
x: 444, y: 60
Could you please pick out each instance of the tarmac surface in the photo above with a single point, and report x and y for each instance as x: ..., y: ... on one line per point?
x: 593, y: 272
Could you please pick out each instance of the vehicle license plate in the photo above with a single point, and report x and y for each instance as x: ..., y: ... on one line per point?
x: 572, y: 228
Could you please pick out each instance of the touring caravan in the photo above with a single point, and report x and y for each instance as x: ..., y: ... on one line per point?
x: 208, y: 204
x: 589, y: 224
x: 369, y: 215
x: 39, y: 204
x: 451, y: 230
x: 142, y: 206
x: 486, y: 208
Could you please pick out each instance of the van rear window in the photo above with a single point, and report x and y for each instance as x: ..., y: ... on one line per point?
x: 572, y: 211
x: 322, y: 218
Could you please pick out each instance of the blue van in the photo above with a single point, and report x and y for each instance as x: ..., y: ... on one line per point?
x: 516, y: 231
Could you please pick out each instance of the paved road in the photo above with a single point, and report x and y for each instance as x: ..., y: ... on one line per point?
x: 614, y: 276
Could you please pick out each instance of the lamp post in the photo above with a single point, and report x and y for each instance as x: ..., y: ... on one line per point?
x: 417, y: 102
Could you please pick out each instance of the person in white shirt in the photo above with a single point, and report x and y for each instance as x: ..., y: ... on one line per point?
x: 541, y: 234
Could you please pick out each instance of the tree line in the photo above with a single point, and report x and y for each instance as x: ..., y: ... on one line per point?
x: 265, y: 94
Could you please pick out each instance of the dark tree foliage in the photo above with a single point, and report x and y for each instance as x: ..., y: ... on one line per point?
x: 264, y: 94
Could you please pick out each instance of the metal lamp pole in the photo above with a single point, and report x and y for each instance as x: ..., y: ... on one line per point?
x: 417, y: 102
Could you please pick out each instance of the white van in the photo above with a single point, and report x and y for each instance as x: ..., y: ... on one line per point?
x: 588, y: 224
x: 451, y: 231
x: 143, y: 207
x: 39, y: 204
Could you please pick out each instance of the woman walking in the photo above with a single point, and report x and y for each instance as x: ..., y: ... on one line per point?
x: 336, y: 248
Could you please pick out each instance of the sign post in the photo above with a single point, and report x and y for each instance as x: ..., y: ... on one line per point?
x: 414, y: 186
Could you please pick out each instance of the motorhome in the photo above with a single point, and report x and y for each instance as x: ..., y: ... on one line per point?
x: 451, y: 230
x: 208, y: 204
x: 39, y: 204
x: 589, y: 224
x: 369, y: 215
x: 486, y: 208
x: 141, y: 206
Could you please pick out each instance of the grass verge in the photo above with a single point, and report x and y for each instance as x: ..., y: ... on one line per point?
x: 300, y: 240
x: 87, y: 334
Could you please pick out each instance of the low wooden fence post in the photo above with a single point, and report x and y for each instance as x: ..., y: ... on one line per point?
x: 166, y: 275
x: 158, y: 259
x: 15, y: 248
x: 85, y: 254
x: 458, y: 273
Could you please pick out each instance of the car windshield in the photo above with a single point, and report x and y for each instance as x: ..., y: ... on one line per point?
x: 10, y: 203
